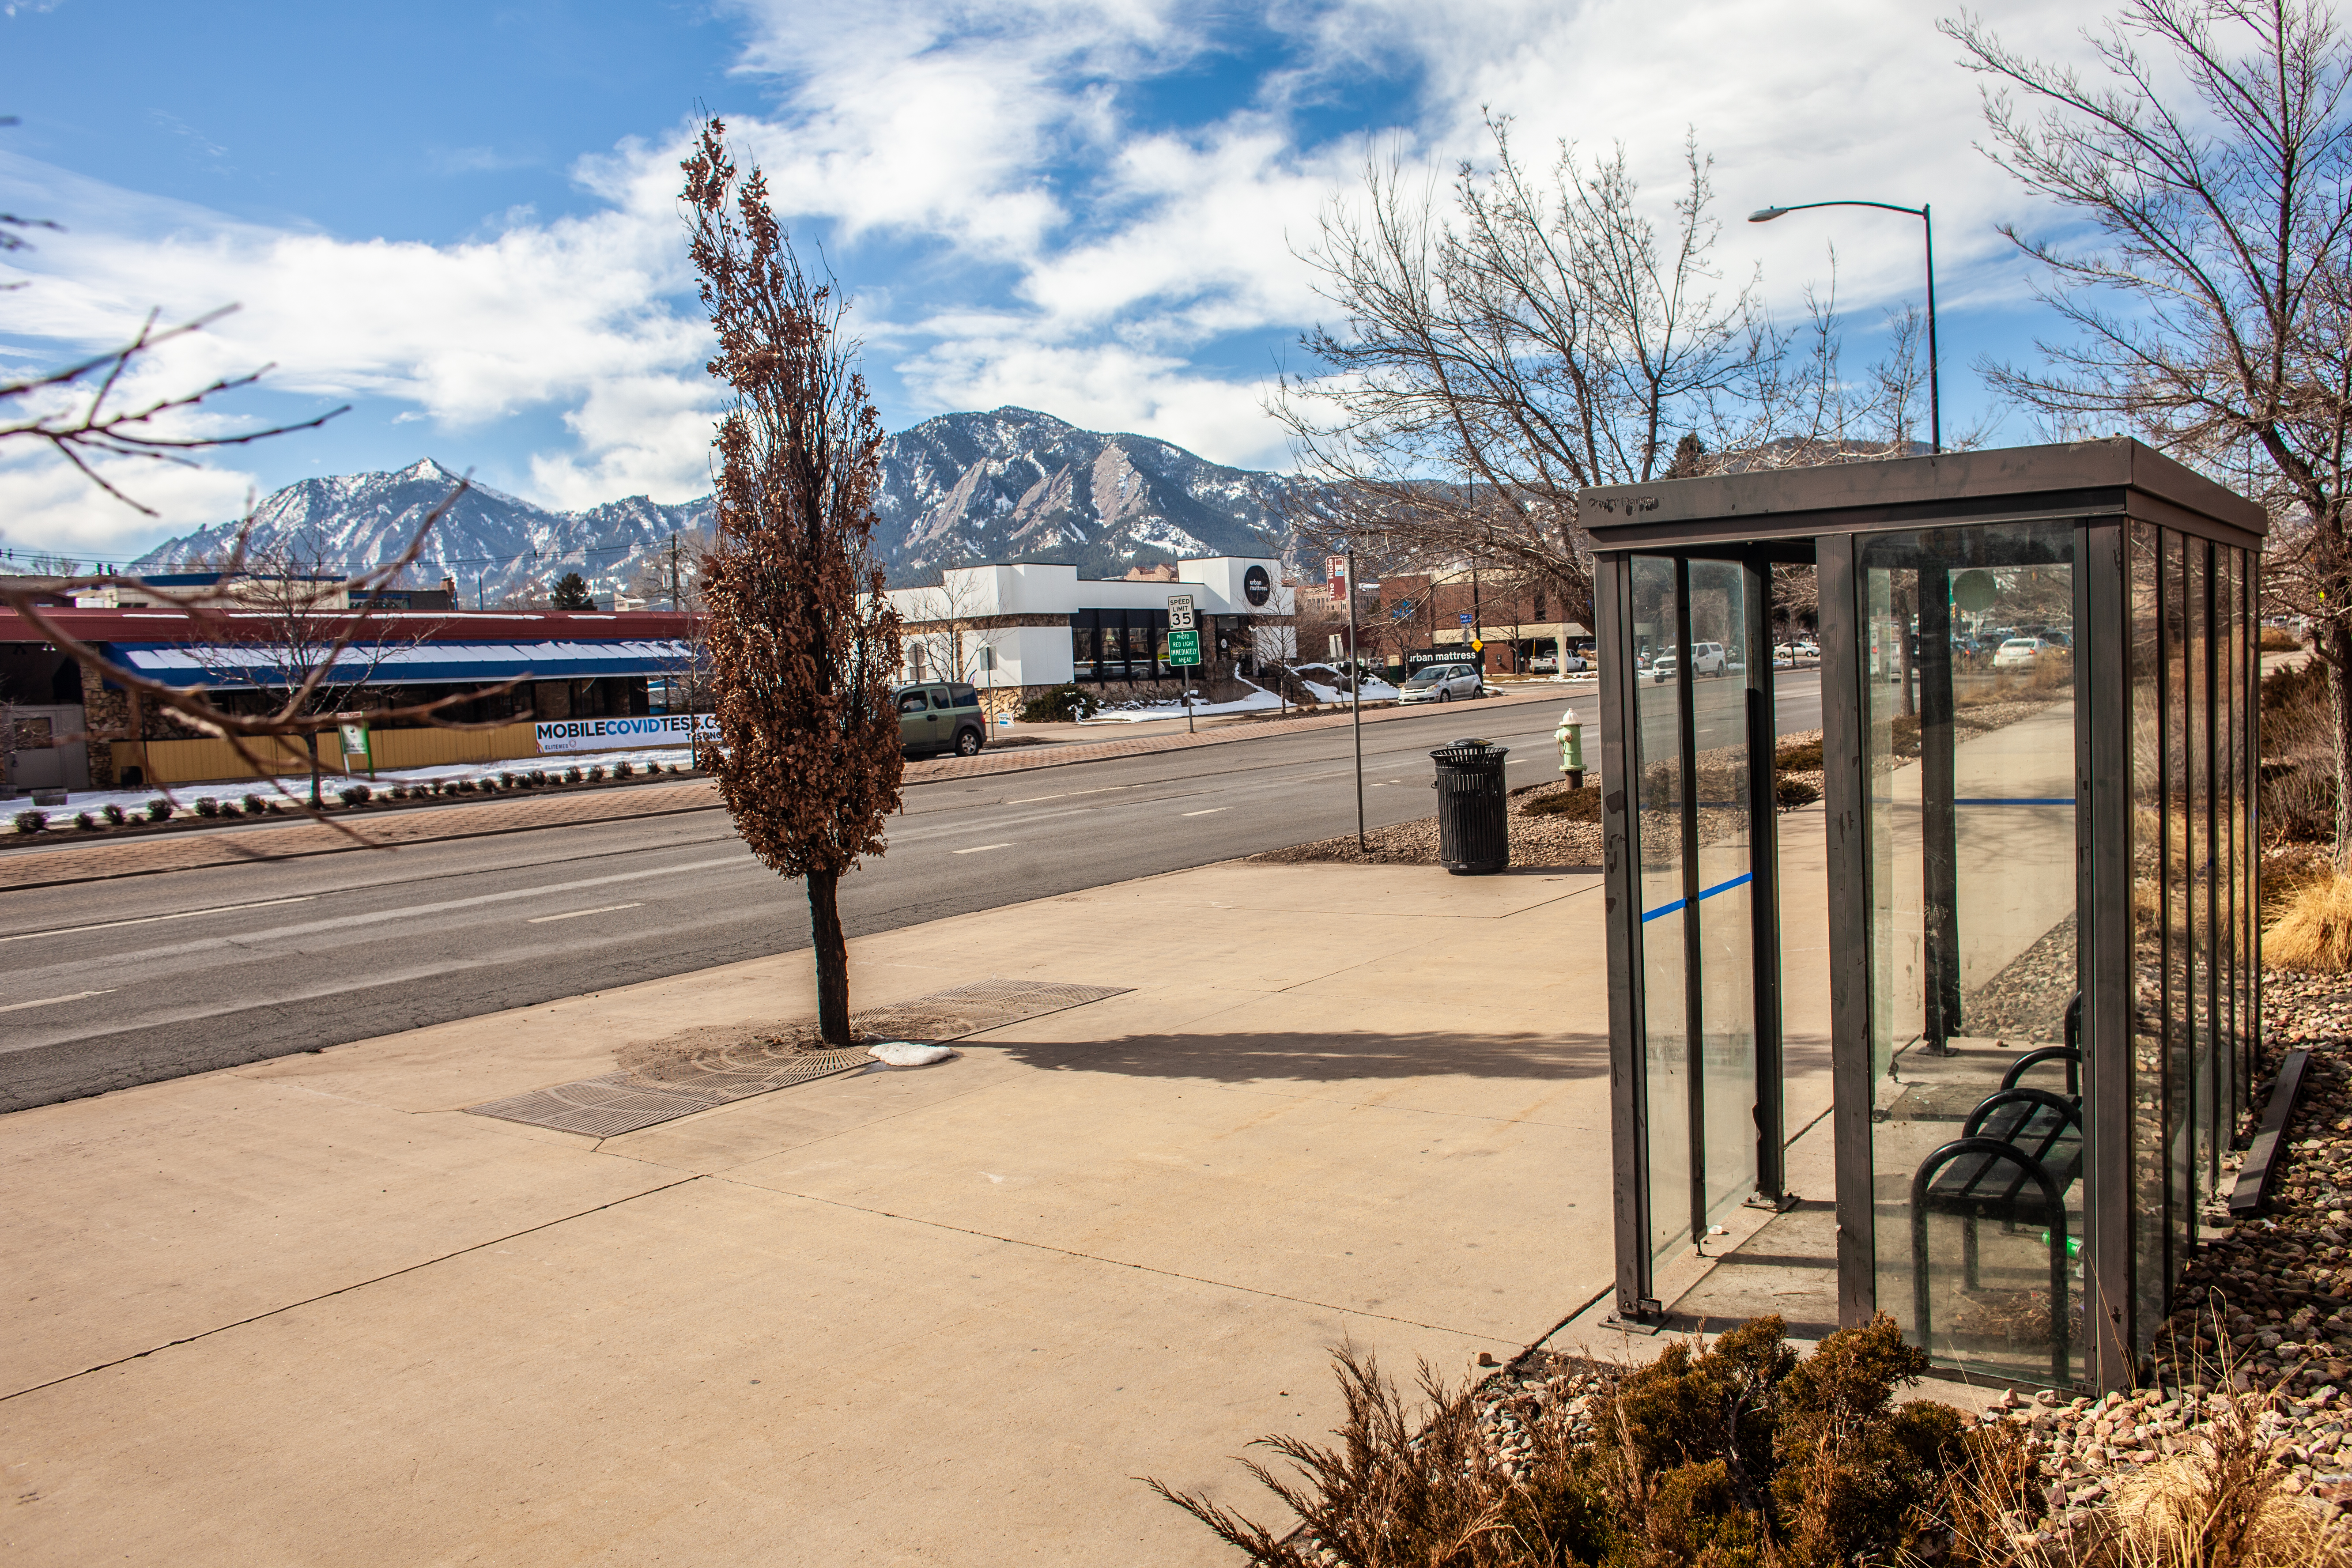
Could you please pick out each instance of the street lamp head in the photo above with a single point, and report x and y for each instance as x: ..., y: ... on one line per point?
x: 1766, y: 215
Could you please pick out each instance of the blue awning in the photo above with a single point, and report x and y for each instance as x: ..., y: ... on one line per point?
x: 407, y: 664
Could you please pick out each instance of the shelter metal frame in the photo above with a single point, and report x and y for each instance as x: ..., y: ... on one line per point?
x: 2118, y: 500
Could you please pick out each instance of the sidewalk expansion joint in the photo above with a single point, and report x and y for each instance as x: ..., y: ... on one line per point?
x: 1118, y: 1262
x: 348, y: 1290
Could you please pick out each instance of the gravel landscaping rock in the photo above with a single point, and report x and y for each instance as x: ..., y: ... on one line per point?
x: 1558, y: 842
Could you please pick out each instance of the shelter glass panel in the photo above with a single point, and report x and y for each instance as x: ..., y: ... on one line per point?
x: 1725, y: 911
x: 2178, y: 824
x: 2146, y: 1079
x: 1976, y: 1117
x: 2193, y: 1181
x: 1655, y: 611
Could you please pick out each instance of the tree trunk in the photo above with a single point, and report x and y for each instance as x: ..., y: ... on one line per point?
x: 831, y: 957
x: 2333, y: 644
x: 310, y: 739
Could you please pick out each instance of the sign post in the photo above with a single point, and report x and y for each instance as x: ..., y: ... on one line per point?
x: 357, y: 743
x: 1183, y: 645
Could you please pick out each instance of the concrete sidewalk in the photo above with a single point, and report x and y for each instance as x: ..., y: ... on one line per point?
x: 309, y: 1311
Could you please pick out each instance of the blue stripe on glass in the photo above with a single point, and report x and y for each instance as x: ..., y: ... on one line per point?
x: 1705, y: 893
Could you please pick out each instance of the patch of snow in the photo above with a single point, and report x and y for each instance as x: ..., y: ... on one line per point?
x: 293, y: 788
x: 907, y: 1054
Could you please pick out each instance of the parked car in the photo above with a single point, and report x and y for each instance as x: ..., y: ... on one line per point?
x: 1809, y: 648
x: 2017, y: 653
x: 1707, y: 658
x: 1441, y: 683
x: 935, y: 718
x: 1542, y: 664
x: 1576, y: 661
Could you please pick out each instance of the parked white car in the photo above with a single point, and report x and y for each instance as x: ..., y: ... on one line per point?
x: 1707, y: 658
x: 1442, y: 683
x: 2018, y: 653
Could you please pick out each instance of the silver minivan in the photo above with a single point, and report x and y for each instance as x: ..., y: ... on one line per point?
x: 1442, y: 683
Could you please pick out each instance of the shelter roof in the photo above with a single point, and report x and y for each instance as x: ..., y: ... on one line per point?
x: 2114, y: 477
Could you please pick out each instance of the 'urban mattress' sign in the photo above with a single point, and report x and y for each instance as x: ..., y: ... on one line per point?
x: 606, y: 734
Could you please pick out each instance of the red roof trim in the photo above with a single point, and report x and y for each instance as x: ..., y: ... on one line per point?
x: 152, y: 626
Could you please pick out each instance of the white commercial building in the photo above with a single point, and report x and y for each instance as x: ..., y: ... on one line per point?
x: 1016, y: 630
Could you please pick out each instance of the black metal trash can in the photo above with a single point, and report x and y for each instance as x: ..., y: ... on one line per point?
x: 1472, y: 828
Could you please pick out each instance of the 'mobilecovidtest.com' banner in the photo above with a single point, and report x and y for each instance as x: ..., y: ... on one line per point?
x: 613, y: 734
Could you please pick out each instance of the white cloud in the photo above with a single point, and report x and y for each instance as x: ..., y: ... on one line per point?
x: 51, y: 506
x: 1014, y: 234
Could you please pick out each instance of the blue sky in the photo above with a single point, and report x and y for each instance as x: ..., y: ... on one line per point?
x: 460, y: 219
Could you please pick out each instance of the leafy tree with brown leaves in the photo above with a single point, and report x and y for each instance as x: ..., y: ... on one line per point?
x: 803, y: 644
x: 2207, y: 161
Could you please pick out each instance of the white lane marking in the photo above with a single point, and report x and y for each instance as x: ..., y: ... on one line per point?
x: 575, y: 914
x: 1210, y: 812
x: 53, y: 1001
x: 977, y: 849
x: 150, y: 920
x: 347, y: 922
x: 1074, y: 793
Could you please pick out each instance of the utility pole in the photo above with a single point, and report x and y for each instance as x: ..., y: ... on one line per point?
x: 1356, y: 692
x: 674, y: 585
x: 1477, y: 627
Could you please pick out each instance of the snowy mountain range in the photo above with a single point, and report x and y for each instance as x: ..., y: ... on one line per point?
x: 1009, y: 485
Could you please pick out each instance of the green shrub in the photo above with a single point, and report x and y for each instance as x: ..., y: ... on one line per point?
x: 159, y: 811
x: 1734, y: 1455
x: 114, y: 814
x: 254, y: 806
x: 86, y: 821
x: 355, y: 795
x: 207, y: 806
x: 32, y: 821
x: 1060, y: 705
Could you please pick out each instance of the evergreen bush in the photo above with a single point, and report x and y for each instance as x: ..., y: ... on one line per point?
x: 114, y: 814
x: 32, y: 821
x: 1060, y: 705
x: 86, y: 821
x: 207, y: 806
x: 159, y: 811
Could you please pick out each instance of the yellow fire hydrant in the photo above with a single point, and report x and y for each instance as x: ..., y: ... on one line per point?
x: 1571, y: 736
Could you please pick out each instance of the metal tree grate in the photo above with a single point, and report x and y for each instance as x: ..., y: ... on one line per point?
x: 624, y: 1101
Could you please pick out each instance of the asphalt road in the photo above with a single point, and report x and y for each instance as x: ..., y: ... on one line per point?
x: 119, y: 983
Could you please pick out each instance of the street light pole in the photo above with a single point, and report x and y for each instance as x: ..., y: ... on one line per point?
x: 1356, y: 694
x: 1928, y: 223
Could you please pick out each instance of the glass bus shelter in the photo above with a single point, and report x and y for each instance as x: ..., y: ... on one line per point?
x: 2000, y: 988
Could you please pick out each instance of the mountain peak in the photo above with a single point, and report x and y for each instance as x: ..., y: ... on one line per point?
x: 1012, y: 484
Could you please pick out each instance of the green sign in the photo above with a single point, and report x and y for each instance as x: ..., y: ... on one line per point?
x: 1184, y: 647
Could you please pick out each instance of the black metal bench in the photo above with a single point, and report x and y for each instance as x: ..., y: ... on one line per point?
x: 2017, y: 1155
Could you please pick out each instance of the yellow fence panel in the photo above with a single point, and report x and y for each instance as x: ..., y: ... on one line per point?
x: 204, y: 761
